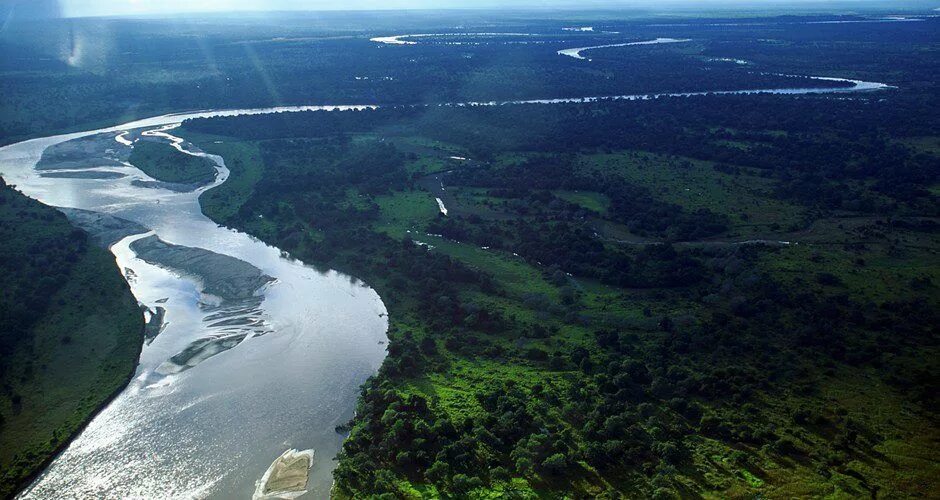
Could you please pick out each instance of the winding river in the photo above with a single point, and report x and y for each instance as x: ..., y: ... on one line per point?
x: 576, y: 52
x: 258, y: 353
x: 237, y: 375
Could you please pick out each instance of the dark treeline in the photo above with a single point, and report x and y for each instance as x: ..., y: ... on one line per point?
x: 860, y: 141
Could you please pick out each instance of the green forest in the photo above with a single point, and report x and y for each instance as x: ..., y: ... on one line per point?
x: 604, y: 313
x: 164, y: 163
x: 70, y: 334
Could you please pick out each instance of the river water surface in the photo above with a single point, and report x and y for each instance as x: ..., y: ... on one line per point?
x: 287, y: 363
x: 231, y: 381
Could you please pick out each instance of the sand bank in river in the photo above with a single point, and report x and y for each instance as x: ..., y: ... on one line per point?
x: 83, y: 174
x: 230, y: 289
x: 221, y: 275
x: 286, y: 477
x: 104, y: 229
x: 94, y: 151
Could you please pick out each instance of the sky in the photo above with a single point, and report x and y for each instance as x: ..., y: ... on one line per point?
x: 81, y: 8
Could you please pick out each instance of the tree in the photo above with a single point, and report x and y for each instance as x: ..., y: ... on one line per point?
x: 464, y: 484
x: 438, y: 472
x: 555, y: 464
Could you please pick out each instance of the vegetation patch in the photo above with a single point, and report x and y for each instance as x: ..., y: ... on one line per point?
x: 165, y: 163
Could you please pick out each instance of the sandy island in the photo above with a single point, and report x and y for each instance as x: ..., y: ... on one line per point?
x: 286, y: 477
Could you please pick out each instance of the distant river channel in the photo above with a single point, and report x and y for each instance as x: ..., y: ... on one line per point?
x: 258, y: 353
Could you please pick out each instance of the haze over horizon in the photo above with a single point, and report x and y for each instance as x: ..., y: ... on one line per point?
x: 87, y: 8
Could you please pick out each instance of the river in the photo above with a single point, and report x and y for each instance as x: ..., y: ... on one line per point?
x: 233, y: 379
x: 285, y: 372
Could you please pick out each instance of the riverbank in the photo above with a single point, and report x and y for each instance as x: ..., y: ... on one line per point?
x: 61, y: 446
x: 77, y: 342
